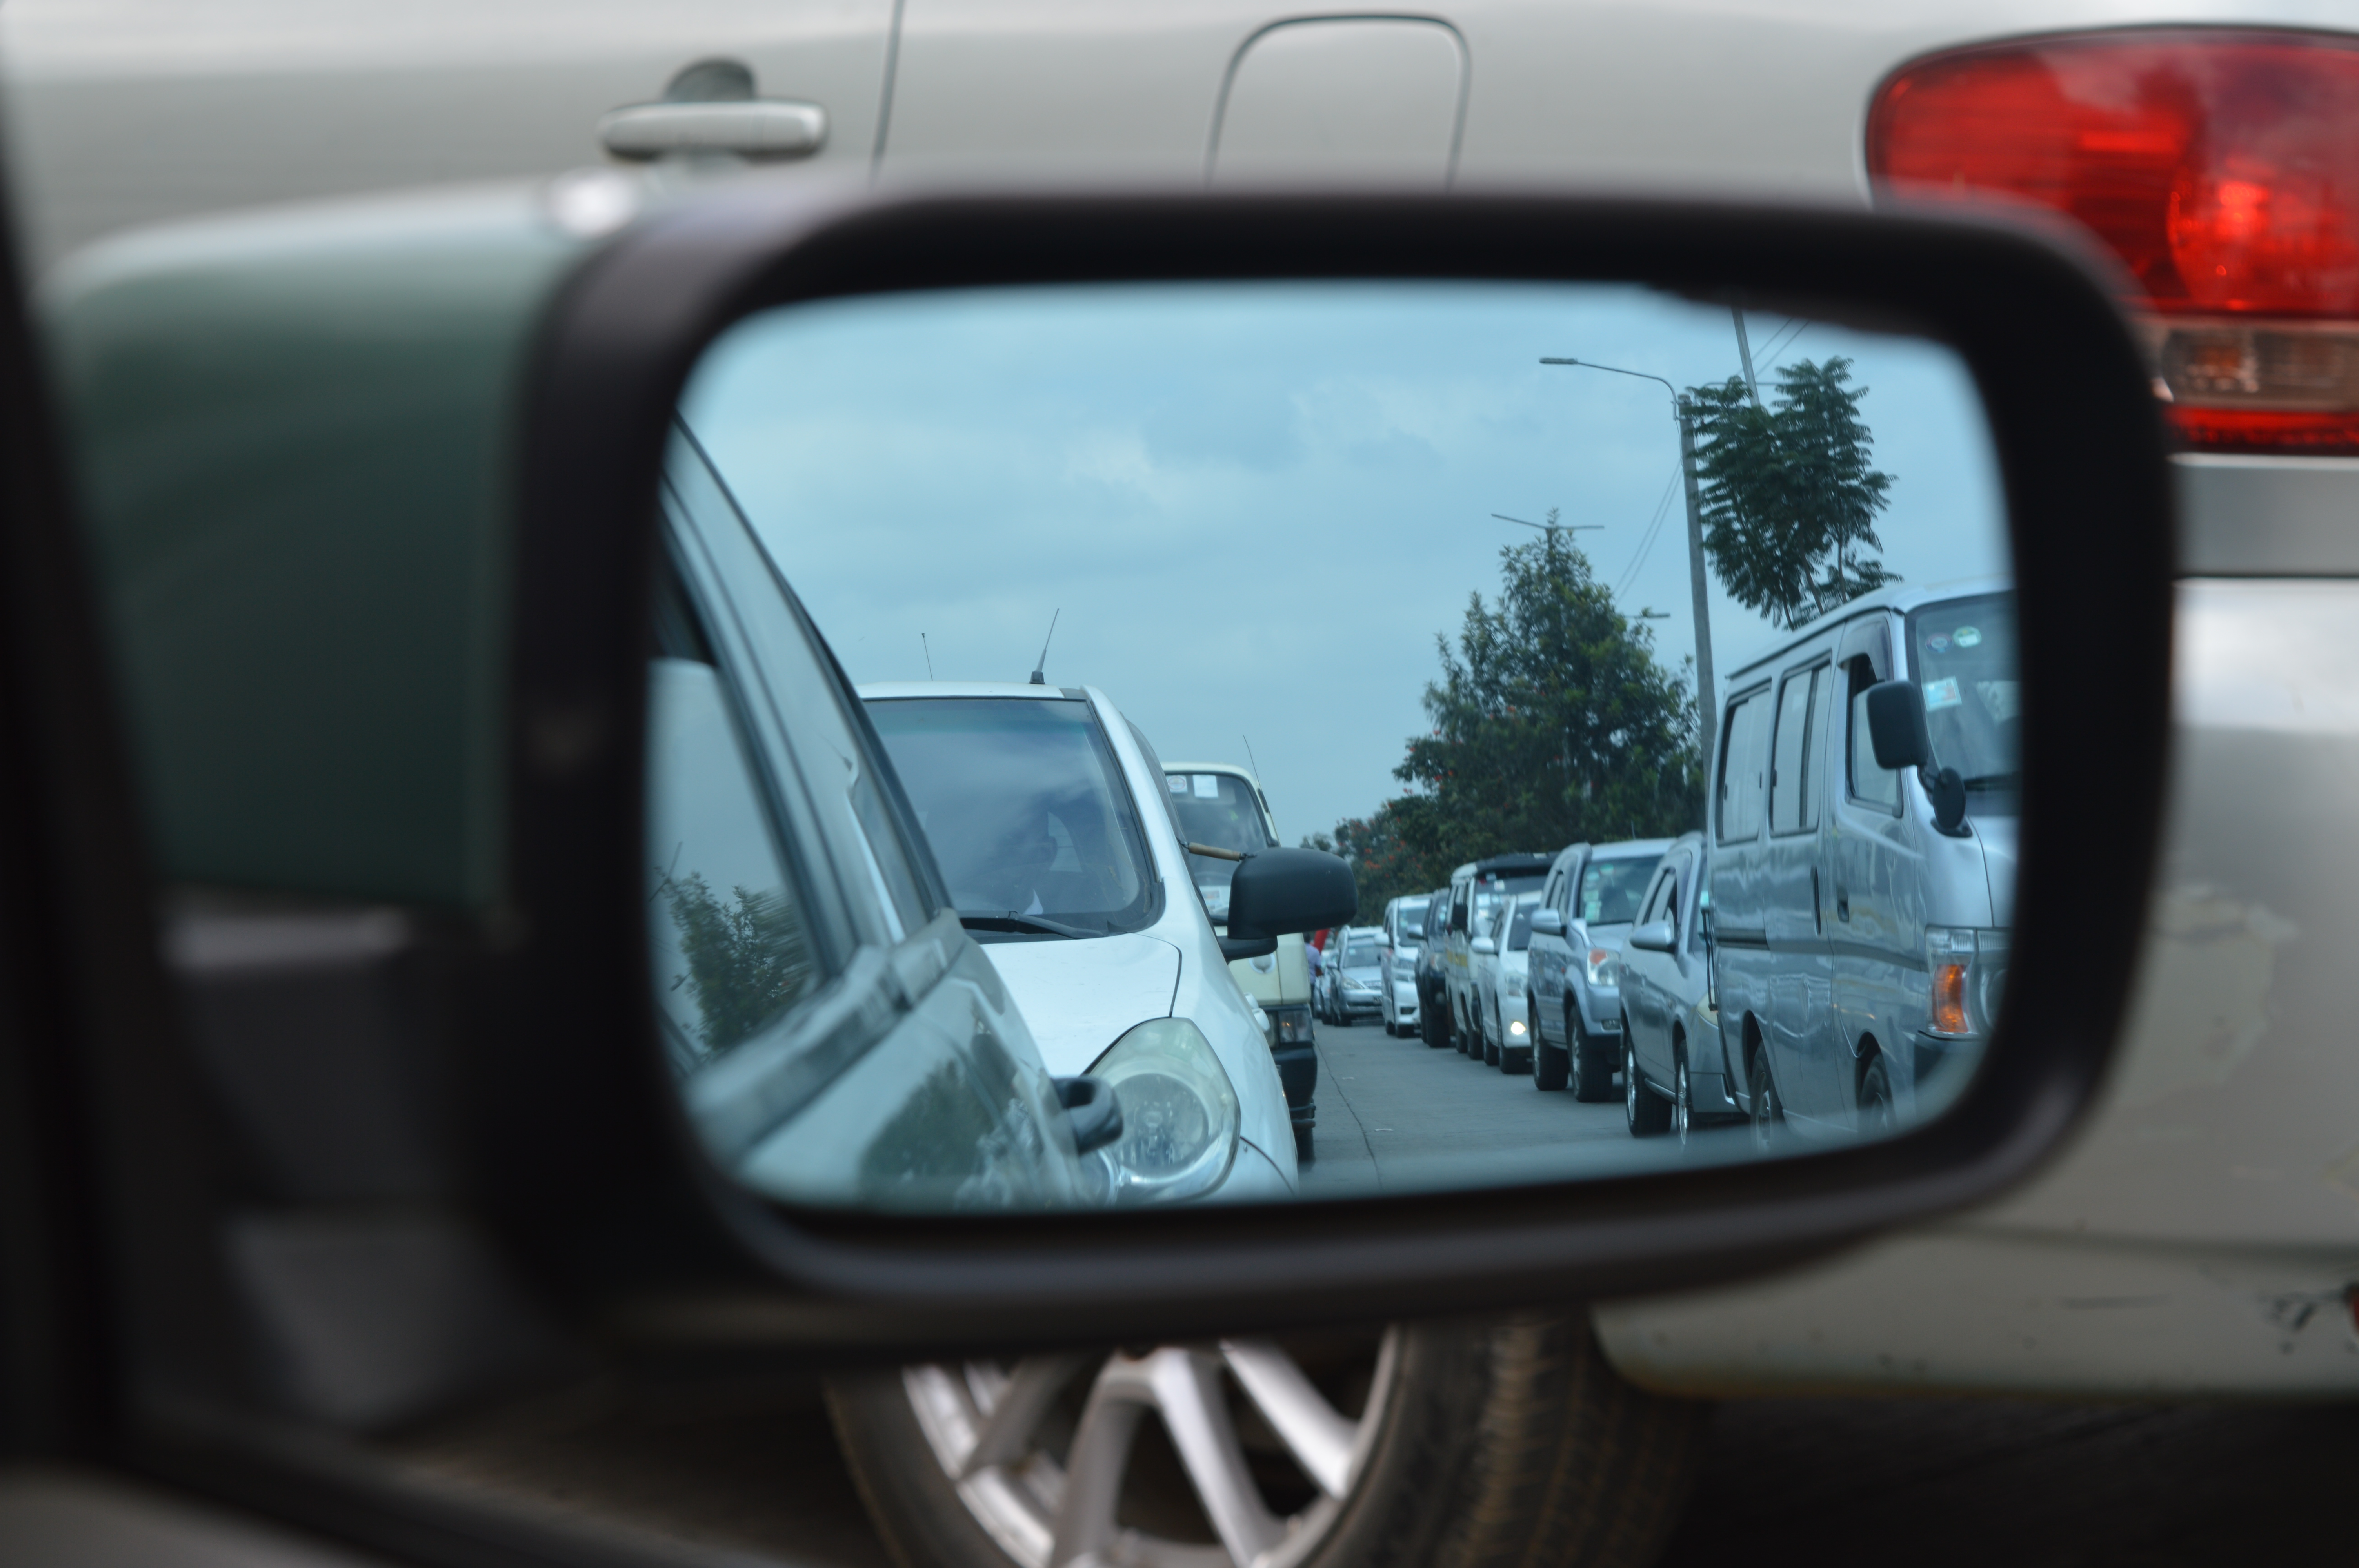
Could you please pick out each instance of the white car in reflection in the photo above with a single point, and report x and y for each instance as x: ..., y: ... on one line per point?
x: 1045, y: 810
x: 1496, y: 963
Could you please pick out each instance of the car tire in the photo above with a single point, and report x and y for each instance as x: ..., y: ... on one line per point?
x: 1682, y: 1098
x: 1551, y: 1064
x: 1768, y: 1115
x: 1304, y: 1140
x: 1491, y: 1029
x: 1592, y: 1069
x: 1649, y: 1113
x: 1461, y: 1032
x: 1509, y: 1440
x: 1433, y: 1024
x: 1877, y: 1118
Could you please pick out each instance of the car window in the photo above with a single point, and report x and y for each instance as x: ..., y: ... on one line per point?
x: 790, y: 680
x: 1744, y: 768
x: 1869, y: 783
x: 732, y: 943
x: 1792, y: 805
x: 1610, y: 889
x: 1024, y: 805
x: 1519, y: 931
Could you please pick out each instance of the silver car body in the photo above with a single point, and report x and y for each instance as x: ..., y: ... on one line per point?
x: 1829, y: 879
x: 1081, y: 995
x: 2213, y: 1198
x: 1404, y: 929
x: 1667, y: 998
x: 1560, y: 966
x: 1500, y: 984
x: 1355, y: 988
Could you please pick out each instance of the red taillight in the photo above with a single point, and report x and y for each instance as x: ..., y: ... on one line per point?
x: 2223, y: 168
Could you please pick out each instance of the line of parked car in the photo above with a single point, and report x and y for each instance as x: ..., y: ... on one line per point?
x: 1827, y: 957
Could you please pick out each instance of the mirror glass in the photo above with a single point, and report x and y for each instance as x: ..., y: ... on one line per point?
x: 1112, y: 746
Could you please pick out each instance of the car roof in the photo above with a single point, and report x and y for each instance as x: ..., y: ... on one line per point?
x: 1901, y: 598
x: 886, y: 689
x: 1234, y: 769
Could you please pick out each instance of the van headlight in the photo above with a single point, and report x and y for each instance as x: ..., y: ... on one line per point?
x: 1179, y: 1114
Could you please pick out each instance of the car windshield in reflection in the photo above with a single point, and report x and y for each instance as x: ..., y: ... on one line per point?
x: 1965, y: 650
x: 1019, y: 798
x: 1611, y: 889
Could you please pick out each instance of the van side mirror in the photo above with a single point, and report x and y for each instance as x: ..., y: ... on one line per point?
x: 1547, y: 923
x: 1482, y: 945
x: 1280, y: 890
x: 1655, y: 936
x: 1895, y: 725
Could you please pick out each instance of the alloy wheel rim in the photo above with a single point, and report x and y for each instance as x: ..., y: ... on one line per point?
x: 1630, y: 1081
x: 1681, y: 1110
x: 986, y: 1424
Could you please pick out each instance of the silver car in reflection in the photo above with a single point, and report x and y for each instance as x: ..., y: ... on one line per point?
x: 1670, y: 1024
x: 1575, y: 968
x: 1864, y: 852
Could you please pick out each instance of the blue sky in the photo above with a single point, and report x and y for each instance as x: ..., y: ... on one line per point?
x: 1253, y: 506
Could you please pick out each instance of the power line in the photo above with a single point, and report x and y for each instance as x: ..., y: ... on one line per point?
x: 1646, y: 540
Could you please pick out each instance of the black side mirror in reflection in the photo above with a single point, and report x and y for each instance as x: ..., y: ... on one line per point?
x: 1280, y: 891
x: 1655, y: 936
x: 1094, y: 1112
x: 1895, y: 725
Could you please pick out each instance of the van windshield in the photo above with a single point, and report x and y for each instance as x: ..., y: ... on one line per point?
x: 1025, y: 808
x: 1220, y: 810
x: 1965, y: 654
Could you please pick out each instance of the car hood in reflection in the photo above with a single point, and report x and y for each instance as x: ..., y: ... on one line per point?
x: 1610, y: 936
x: 1079, y: 996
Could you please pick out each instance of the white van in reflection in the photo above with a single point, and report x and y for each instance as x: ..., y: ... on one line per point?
x: 1862, y: 869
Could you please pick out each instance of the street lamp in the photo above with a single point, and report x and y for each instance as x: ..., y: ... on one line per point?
x: 1551, y: 527
x: 1707, y: 693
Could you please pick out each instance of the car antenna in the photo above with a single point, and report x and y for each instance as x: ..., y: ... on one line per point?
x: 1039, y: 670
x: 1249, y: 756
x: 929, y: 655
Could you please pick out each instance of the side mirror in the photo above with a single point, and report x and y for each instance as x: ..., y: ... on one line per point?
x: 1655, y: 936
x: 1483, y: 944
x: 1547, y: 923
x: 1895, y: 725
x: 1280, y: 891
x: 1093, y: 1110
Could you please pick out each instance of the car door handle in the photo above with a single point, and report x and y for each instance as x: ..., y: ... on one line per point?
x: 751, y: 127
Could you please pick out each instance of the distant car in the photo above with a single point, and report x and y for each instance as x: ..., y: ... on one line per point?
x: 1670, y: 1017
x: 1475, y: 890
x: 1352, y: 985
x: 1404, y: 929
x: 1043, y: 806
x: 1220, y: 806
x: 1501, y: 988
x: 1586, y: 907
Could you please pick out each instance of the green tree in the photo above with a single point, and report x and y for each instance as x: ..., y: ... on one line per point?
x: 1553, y: 723
x: 746, y: 959
x: 1788, y: 500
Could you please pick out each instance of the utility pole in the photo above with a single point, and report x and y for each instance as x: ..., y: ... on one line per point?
x: 1707, y: 694
x: 1745, y: 352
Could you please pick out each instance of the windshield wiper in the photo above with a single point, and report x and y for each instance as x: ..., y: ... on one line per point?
x: 1014, y: 922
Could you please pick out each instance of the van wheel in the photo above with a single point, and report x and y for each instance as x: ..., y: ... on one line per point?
x: 1592, y: 1066
x: 1463, y: 1035
x: 1506, y: 1440
x: 1491, y: 1029
x: 1877, y: 1119
x: 1769, y: 1111
x: 1647, y: 1112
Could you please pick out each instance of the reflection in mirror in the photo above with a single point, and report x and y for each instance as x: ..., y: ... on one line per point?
x: 1133, y: 587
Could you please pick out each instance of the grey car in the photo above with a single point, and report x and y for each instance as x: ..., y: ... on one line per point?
x: 1586, y: 907
x: 1669, y: 1011
x: 1352, y: 982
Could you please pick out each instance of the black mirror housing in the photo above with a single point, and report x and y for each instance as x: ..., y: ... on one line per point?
x: 1895, y: 725
x: 1282, y: 892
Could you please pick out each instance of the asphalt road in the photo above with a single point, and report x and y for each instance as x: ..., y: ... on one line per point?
x: 1396, y: 1114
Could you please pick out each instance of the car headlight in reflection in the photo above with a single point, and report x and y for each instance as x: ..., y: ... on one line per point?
x: 1602, y: 966
x: 1179, y: 1114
